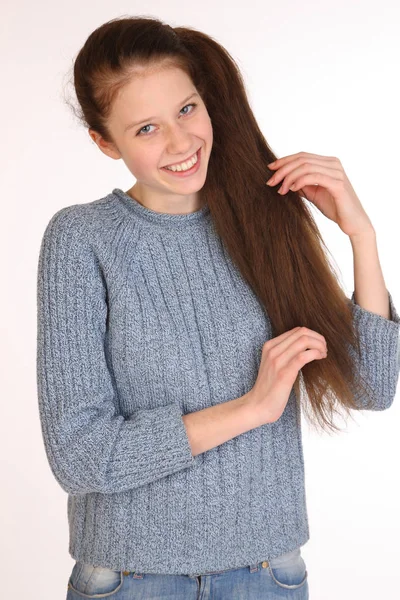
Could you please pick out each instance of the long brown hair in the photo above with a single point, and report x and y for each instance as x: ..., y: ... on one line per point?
x: 273, y: 240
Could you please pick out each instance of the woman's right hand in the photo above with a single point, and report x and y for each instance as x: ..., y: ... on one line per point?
x: 282, y: 358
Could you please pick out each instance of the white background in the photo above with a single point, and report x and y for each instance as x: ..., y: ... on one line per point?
x: 322, y: 77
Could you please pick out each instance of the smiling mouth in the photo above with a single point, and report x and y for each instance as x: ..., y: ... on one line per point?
x: 182, y: 161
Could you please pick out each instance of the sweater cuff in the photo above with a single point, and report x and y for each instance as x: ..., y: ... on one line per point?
x: 393, y: 316
x: 379, y: 363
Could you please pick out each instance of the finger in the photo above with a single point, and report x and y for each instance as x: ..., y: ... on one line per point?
x: 302, y: 176
x: 289, y: 175
x: 302, y: 155
x: 287, y: 338
x: 300, y: 343
x: 283, y: 168
x: 326, y: 181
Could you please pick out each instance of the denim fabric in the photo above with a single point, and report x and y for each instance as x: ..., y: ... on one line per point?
x: 281, y: 577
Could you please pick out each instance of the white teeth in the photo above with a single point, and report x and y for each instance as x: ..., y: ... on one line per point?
x: 184, y: 166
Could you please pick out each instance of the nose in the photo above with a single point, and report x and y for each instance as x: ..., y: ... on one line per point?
x: 179, y: 142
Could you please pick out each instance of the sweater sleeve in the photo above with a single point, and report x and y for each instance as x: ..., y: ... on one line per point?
x: 379, y: 362
x: 90, y: 447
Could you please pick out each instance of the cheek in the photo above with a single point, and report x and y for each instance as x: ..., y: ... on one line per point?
x: 211, y: 134
x: 208, y: 131
x: 143, y: 164
x: 202, y: 130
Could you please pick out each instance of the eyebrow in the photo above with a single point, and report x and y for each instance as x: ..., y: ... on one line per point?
x: 151, y: 118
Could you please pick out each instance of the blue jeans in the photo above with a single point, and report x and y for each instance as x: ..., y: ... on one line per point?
x: 282, y: 577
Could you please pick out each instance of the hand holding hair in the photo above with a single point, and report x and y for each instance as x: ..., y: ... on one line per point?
x: 323, y: 181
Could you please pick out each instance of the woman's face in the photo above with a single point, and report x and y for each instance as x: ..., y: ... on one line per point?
x: 159, y: 119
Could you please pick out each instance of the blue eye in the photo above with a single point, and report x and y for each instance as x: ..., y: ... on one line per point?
x: 148, y: 133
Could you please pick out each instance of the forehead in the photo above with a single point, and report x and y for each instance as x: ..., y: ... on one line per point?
x: 149, y: 91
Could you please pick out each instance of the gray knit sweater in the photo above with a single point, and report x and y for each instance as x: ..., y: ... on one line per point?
x: 142, y: 318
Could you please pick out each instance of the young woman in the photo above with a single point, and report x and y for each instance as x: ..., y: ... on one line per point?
x: 180, y: 320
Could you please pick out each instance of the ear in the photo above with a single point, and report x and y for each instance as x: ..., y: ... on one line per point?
x: 108, y: 148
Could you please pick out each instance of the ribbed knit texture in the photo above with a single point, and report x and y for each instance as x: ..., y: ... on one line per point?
x: 143, y: 318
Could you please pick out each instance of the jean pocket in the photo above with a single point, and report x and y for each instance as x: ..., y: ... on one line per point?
x: 288, y: 570
x: 89, y: 581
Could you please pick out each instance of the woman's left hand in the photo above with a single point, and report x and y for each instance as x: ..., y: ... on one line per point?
x: 322, y: 181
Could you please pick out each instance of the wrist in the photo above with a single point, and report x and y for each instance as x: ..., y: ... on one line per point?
x: 368, y: 234
x: 258, y: 409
